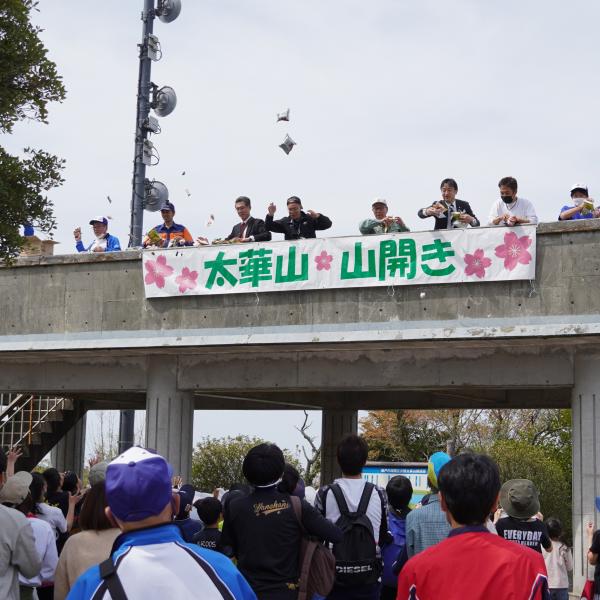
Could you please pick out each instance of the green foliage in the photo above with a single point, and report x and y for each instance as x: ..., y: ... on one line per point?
x: 28, y: 82
x: 519, y: 459
x: 217, y: 462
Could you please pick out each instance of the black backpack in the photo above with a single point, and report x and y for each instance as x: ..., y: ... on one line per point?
x: 356, y: 561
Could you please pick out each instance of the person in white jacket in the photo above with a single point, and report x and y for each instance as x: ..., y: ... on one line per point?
x: 558, y: 562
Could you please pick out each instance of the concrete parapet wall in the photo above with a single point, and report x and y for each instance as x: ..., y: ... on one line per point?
x: 76, y: 301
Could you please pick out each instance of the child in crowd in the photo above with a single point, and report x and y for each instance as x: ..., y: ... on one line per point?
x: 210, y: 512
x: 399, y: 491
x: 558, y: 562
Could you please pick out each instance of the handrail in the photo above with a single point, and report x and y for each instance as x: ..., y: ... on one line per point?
x: 17, y: 421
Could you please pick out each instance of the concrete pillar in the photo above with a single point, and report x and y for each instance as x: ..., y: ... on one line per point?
x: 69, y: 453
x: 586, y: 460
x: 335, y: 425
x: 169, y: 416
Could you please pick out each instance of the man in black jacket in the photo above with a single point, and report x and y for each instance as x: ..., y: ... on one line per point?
x: 249, y: 229
x: 298, y: 224
x: 450, y: 212
x: 263, y: 531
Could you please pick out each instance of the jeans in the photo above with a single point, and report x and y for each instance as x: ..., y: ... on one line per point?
x: 559, y: 594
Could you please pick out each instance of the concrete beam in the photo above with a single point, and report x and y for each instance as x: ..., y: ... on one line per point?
x: 335, y: 425
x: 586, y: 460
x: 169, y: 416
x: 69, y: 452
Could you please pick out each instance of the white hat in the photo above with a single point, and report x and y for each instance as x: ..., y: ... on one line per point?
x: 379, y: 201
x: 102, y: 220
x: 579, y: 186
x: 16, y: 488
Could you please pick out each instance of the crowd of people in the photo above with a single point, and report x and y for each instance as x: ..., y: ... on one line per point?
x: 448, y: 213
x: 130, y: 534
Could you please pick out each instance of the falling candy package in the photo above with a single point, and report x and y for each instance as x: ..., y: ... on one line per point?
x: 287, y: 144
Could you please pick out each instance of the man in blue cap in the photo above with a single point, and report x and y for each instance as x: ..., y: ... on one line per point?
x: 104, y: 242
x: 428, y: 525
x: 150, y: 558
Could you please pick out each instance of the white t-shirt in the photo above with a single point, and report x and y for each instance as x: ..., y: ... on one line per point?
x: 558, y: 563
x: 521, y: 207
x: 353, y: 489
x: 45, y: 544
x: 54, y: 517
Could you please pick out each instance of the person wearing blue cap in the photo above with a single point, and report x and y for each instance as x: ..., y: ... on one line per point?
x: 104, y: 242
x: 150, y: 559
x: 428, y: 525
x: 168, y: 233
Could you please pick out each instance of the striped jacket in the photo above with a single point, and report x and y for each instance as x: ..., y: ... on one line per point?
x: 156, y: 564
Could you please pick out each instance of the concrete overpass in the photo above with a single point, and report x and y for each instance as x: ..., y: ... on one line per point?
x: 80, y: 326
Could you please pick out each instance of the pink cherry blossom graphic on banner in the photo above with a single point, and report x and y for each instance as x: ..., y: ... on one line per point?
x: 187, y: 280
x: 324, y: 261
x: 157, y: 271
x: 477, y: 263
x: 514, y: 250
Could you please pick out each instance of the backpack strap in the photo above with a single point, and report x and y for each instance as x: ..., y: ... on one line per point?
x: 297, y: 506
x: 365, y: 498
x: 340, y: 499
x: 108, y: 572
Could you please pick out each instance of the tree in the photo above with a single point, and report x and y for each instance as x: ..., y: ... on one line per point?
x: 312, y: 467
x: 217, y: 462
x: 28, y: 82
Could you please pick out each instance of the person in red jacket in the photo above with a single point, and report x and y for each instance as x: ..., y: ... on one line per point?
x: 472, y: 562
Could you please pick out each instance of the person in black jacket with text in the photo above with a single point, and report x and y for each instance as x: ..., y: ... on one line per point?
x: 298, y: 224
x: 263, y: 531
x: 249, y: 229
x: 450, y: 212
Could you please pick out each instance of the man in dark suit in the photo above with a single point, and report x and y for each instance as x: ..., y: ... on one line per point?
x: 450, y: 212
x: 298, y: 224
x: 249, y: 229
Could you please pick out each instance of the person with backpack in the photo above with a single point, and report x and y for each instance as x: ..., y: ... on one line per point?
x: 399, y: 491
x: 265, y: 528
x: 359, y: 509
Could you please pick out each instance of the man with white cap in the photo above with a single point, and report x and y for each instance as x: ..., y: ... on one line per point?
x: 18, y: 554
x: 581, y: 207
x: 150, y: 560
x: 381, y: 223
x: 104, y: 242
x: 16, y: 494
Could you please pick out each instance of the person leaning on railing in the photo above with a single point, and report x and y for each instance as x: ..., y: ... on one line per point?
x: 510, y: 209
x: 382, y: 223
x: 449, y: 212
x: 581, y: 207
x: 298, y: 224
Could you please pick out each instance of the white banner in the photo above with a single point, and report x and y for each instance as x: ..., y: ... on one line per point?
x: 429, y: 257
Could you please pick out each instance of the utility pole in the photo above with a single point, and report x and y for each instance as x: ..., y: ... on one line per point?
x: 147, y: 195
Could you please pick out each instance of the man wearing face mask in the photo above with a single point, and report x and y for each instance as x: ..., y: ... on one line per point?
x: 511, y: 209
x: 582, y: 206
x: 104, y: 242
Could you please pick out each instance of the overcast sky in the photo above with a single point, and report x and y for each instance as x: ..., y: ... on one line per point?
x: 387, y: 98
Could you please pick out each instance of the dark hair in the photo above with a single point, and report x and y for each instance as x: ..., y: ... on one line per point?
x: 52, y: 477
x: 92, y: 516
x: 70, y: 482
x: 554, y: 528
x: 3, y: 461
x: 37, y: 487
x: 290, y: 479
x: 245, y: 200
x: 294, y: 200
x: 510, y: 182
x: 352, y: 454
x: 449, y: 181
x: 399, y: 491
x: 580, y: 189
x: 209, y: 510
x: 469, y: 484
x: 263, y: 464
